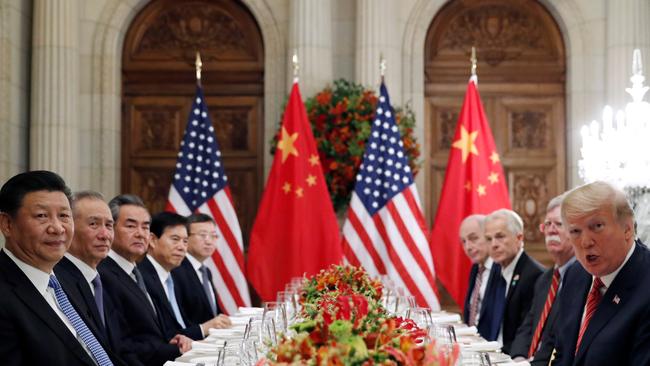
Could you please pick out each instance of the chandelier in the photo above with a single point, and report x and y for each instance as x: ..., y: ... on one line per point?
x: 618, y: 149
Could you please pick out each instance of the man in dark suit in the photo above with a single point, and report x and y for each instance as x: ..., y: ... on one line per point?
x: 77, y: 270
x: 532, y: 340
x: 144, y: 336
x: 606, y: 321
x: 167, y: 250
x: 38, y: 325
x: 196, y: 294
x: 482, y: 274
x: 504, y: 231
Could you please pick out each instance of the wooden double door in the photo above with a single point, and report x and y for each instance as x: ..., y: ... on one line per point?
x: 158, y: 87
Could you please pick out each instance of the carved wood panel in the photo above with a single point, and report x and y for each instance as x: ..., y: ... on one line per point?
x: 521, y: 73
x: 158, y: 89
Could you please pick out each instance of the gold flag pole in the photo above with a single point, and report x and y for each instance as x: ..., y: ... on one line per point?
x: 198, y: 65
x: 296, y: 65
x: 473, y: 61
x: 382, y: 66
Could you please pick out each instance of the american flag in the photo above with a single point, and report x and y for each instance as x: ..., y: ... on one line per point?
x: 385, y: 230
x: 200, y: 184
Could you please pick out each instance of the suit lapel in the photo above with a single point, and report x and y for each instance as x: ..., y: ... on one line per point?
x: 621, y: 289
x: 155, y: 288
x: 130, y: 285
x: 29, y: 295
x: 83, y: 288
x: 514, y: 281
x: 197, y: 283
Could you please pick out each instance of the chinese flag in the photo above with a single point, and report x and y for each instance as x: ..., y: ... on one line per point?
x: 295, y: 231
x: 474, y: 184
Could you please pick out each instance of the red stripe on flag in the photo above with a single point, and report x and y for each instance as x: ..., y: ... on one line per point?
x: 397, y: 261
x: 365, y: 239
x: 349, y: 254
x: 227, y: 233
x: 409, y: 242
x: 227, y: 278
x: 169, y: 207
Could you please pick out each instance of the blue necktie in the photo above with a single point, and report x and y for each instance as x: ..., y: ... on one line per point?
x: 208, y: 289
x: 78, y: 324
x: 499, y: 306
x: 99, y: 297
x: 172, y: 300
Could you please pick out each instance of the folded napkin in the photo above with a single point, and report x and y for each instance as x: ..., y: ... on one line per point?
x: 513, y: 363
x: 250, y: 310
x: 465, y: 331
x: 239, y: 320
x: 226, y: 332
x: 445, y: 318
x: 482, y: 346
x: 178, y: 363
x: 203, y: 346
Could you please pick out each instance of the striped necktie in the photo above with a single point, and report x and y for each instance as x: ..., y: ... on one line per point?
x: 550, y: 298
x: 475, y: 298
x: 593, y: 299
x: 96, y: 350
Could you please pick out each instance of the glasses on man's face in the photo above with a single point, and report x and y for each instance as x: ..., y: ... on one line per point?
x: 206, y: 236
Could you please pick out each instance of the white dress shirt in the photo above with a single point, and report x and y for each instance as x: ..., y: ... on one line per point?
x: 124, y: 263
x: 162, y: 273
x: 87, y: 271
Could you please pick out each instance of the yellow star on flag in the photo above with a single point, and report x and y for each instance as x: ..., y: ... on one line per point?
x: 468, y: 186
x: 480, y: 190
x: 286, y: 144
x: 494, y: 157
x: 311, y: 180
x: 299, y: 191
x: 286, y: 187
x: 466, y: 143
x: 314, y: 160
x: 493, y: 178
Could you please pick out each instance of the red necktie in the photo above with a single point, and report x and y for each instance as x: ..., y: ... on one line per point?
x: 593, y: 299
x: 550, y: 298
x: 475, y: 298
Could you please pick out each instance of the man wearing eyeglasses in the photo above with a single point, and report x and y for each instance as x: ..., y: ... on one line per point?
x: 197, y: 296
x: 533, y: 340
x: 167, y: 248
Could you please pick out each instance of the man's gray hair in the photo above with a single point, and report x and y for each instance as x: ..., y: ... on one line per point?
x: 514, y: 223
x: 122, y: 200
x: 555, y: 202
x: 87, y: 194
x: 475, y: 217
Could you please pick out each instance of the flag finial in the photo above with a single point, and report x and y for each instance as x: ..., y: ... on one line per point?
x: 198, y: 65
x: 296, y: 65
x: 382, y: 66
x: 473, y: 61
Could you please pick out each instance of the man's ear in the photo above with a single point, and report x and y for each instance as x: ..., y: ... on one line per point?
x: 6, y: 223
x: 153, y: 240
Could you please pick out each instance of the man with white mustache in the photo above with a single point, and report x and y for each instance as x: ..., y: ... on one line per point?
x: 532, y: 340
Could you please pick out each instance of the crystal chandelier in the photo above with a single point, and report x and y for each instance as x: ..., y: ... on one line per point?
x: 618, y: 149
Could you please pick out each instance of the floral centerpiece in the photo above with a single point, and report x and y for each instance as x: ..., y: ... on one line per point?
x: 345, y: 324
x: 341, y: 118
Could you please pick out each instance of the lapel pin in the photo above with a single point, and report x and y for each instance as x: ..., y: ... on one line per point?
x: 514, y: 280
x: 616, y: 299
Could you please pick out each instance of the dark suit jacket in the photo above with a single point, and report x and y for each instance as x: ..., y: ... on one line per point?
x: 487, y: 303
x: 518, y: 301
x: 524, y: 337
x: 31, y: 333
x: 165, y: 313
x: 143, y: 335
x: 619, y: 331
x: 190, y: 294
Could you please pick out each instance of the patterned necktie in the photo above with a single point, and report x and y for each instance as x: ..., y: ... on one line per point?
x: 139, y: 280
x: 172, y: 301
x: 550, y: 298
x: 96, y: 350
x: 475, y: 298
x: 593, y: 299
x: 99, y: 297
x: 208, y: 289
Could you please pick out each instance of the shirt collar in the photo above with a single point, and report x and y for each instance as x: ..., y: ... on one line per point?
x: 488, y: 263
x: 563, y: 268
x: 196, y: 264
x: 510, y: 269
x: 87, y: 271
x: 38, y: 278
x: 609, y: 278
x: 162, y: 272
x: 122, y: 262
